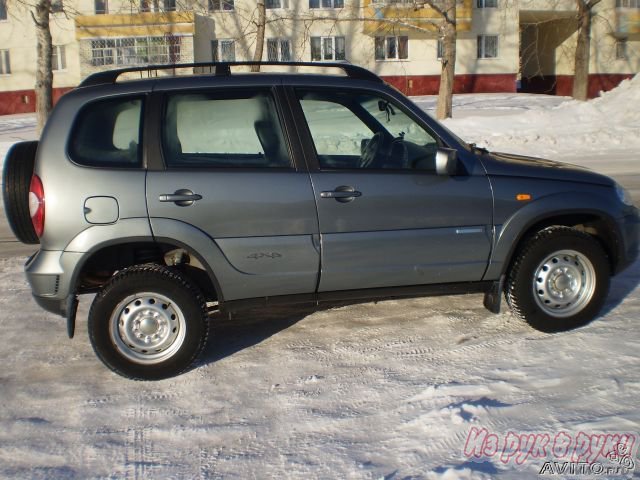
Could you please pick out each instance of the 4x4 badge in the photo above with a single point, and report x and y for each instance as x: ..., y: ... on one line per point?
x: 257, y: 256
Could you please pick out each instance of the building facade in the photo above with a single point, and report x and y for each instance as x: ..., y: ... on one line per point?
x: 502, y: 46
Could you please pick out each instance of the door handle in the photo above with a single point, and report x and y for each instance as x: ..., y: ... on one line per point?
x: 342, y: 194
x: 182, y: 197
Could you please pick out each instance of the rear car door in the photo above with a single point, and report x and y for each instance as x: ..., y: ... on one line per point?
x: 230, y: 173
x: 386, y: 218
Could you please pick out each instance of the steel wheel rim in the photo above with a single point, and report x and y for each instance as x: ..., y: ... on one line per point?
x: 564, y: 283
x: 147, y: 328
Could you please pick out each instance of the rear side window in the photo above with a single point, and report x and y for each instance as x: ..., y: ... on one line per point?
x: 107, y: 133
x: 237, y: 130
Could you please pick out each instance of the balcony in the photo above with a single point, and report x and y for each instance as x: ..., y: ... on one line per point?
x: 410, y: 16
x: 138, y: 24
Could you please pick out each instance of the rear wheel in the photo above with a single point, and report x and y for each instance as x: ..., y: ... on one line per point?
x: 559, y: 280
x: 16, y: 179
x: 149, y: 322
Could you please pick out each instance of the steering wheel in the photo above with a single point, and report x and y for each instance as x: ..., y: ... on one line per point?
x: 371, y: 151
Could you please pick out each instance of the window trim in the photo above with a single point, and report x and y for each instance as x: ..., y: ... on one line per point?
x: 141, y: 164
x: 221, y: 9
x: 6, y: 11
x: 279, y: 41
x: 219, y: 49
x: 482, y: 4
x: 322, y: 49
x: 484, y: 36
x: 320, y: 7
x: 386, y: 43
x: 58, y: 49
x: 6, y: 66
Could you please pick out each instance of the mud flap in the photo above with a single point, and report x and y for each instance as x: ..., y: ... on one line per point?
x: 71, y: 310
x: 493, y: 296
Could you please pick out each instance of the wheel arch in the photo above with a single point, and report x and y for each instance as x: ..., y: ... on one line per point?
x: 516, y: 231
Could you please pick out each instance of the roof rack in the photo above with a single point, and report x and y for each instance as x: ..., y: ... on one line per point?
x: 224, y: 69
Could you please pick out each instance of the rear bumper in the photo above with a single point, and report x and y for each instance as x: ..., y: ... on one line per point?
x: 50, y: 275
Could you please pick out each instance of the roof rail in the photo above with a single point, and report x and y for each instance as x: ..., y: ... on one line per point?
x: 224, y: 69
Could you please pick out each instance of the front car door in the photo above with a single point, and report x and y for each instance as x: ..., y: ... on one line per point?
x: 386, y: 218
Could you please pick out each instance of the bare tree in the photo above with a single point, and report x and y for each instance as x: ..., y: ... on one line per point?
x: 44, y: 73
x: 447, y: 75
x: 583, y: 49
x: 260, y: 29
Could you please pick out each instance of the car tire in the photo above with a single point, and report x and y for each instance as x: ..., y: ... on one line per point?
x: 559, y: 279
x: 148, y: 322
x: 16, y: 180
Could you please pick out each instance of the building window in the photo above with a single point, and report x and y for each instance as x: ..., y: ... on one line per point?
x: 277, y: 4
x: 58, y: 58
x: 326, y: 3
x: 223, y: 50
x: 169, y: 5
x: 3, y: 9
x: 621, y: 49
x: 218, y: 5
x: 627, y: 3
x: 100, y: 7
x: 440, y: 49
x: 392, y: 48
x: 5, y: 63
x: 487, y: 46
x: 327, y: 48
x: 135, y: 51
x: 278, y: 50
x: 57, y: 6
x: 487, y: 3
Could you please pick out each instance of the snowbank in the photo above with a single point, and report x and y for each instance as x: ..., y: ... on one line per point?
x: 608, y: 123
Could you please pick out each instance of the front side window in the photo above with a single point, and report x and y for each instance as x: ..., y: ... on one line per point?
x: 108, y: 134
x: 360, y: 130
x: 392, y: 48
x: 203, y: 130
x: 223, y: 50
x: 220, y: 5
x: 487, y: 46
x: 5, y: 62
x: 59, y: 58
x: 327, y: 48
x: 278, y: 50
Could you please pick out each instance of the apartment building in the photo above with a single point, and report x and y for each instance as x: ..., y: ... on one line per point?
x: 503, y: 45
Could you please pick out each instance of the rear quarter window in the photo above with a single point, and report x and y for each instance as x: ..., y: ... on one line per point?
x: 107, y: 133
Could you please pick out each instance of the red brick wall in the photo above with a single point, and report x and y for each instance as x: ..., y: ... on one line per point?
x: 597, y: 82
x: 429, y: 84
x: 24, y: 101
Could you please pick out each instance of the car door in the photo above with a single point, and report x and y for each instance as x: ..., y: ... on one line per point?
x: 386, y: 218
x: 230, y: 173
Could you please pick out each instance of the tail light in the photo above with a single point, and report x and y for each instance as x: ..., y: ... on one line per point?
x: 36, y: 204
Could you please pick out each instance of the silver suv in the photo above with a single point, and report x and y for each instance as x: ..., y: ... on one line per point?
x: 168, y: 196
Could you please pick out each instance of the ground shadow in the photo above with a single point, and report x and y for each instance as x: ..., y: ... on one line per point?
x: 621, y: 286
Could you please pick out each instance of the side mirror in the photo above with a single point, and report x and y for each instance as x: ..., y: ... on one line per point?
x: 446, y: 161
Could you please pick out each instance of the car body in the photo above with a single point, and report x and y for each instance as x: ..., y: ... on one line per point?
x: 346, y: 190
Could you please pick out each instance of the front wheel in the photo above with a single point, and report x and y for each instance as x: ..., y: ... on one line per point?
x: 149, y: 322
x: 559, y: 280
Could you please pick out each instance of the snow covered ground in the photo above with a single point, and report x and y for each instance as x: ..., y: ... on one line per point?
x: 375, y: 390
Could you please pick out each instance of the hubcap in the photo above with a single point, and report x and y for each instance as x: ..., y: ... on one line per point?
x: 564, y: 283
x: 147, y: 328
